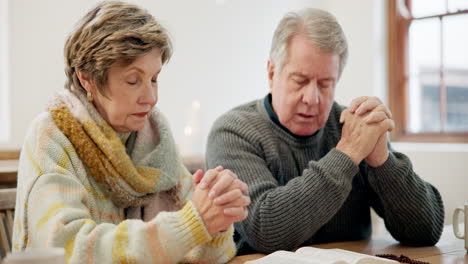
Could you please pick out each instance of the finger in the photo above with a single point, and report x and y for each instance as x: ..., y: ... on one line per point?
x: 387, y: 125
x: 343, y: 115
x: 197, y: 176
x: 208, y: 178
x: 392, y: 125
x: 219, y: 168
x: 232, y: 198
x: 238, y: 213
x: 375, y: 117
x: 225, y: 179
x: 241, y: 185
x: 368, y: 106
x: 356, y: 102
x: 238, y: 184
x: 383, y: 108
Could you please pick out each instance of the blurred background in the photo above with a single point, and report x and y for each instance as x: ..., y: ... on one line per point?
x: 220, y: 55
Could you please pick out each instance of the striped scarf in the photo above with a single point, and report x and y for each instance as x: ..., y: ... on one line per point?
x: 130, y: 181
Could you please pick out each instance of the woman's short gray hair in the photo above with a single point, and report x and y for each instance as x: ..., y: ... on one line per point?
x: 320, y: 27
x: 112, y: 32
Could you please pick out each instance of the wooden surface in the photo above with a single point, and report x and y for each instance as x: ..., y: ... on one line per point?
x: 9, y: 154
x: 449, y: 249
x: 7, y: 198
x: 8, y: 173
x: 7, y: 207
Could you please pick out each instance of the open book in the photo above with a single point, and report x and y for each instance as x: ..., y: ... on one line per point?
x: 311, y: 255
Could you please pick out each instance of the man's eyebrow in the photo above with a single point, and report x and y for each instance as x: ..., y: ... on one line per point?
x: 328, y: 79
x: 298, y: 74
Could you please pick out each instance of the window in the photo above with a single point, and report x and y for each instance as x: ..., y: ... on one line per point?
x: 428, y: 69
x: 4, y: 107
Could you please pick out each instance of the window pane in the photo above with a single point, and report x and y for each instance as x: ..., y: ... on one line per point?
x: 424, y: 45
x: 424, y: 80
x: 456, y: 42
x: 422, y: 8
x: 456, y: 5
x: 456, y: 72
x: 424, y: 103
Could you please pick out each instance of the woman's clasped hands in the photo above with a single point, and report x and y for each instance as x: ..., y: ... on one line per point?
x: 220, y: 198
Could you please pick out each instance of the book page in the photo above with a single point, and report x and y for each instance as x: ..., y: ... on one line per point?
x: 287, y: 257
x: 340, y: 254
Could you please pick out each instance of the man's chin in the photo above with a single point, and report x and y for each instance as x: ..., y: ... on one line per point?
x: 304, y: 132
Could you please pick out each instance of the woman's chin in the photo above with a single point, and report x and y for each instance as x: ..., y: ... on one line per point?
x: 129, y: 128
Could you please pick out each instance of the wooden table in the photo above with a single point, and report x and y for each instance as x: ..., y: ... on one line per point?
x: 449, y: 249
x: 8, y: 173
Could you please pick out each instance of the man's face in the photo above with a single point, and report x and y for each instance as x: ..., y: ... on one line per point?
x: 303, y: 89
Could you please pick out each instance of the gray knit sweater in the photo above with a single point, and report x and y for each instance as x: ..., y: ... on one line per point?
x: 304, y: 191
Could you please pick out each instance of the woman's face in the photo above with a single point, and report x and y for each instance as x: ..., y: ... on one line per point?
x: 131, y: 92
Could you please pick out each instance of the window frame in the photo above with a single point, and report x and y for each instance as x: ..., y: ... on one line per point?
x: 399, y: 20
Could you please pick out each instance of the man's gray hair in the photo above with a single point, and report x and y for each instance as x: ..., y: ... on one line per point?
x: 319, y: 26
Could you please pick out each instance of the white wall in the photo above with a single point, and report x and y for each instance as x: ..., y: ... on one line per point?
x: 37, y: 30
x: 363, y: 23
x: 221, y: 49
x: 446, y: 167
x: 4, y: 91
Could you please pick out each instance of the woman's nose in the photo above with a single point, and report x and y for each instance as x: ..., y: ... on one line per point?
x: 150, y: 95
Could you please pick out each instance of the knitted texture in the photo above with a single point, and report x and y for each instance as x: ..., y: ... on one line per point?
x: 66, y: 201
x: 304, y: 191
x: 104, y: 154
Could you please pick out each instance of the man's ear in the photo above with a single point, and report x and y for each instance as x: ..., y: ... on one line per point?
x: 85, y: 81
x: 271, y: 73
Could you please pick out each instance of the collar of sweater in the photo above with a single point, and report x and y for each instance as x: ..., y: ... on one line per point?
x: 288, y: 135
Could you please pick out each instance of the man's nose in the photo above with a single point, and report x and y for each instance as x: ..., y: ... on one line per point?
x: 311, y: 93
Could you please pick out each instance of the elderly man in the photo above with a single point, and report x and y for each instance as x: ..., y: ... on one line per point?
x: 314, y: 169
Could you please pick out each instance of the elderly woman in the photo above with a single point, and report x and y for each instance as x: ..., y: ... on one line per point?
x: 99, y: 173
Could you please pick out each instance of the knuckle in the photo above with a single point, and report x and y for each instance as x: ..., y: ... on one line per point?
x: 237, y: 182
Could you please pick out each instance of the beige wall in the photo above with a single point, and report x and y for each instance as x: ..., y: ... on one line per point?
x: 221, y: 49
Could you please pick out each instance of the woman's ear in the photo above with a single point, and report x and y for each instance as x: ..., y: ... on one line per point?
x: 85, y: 81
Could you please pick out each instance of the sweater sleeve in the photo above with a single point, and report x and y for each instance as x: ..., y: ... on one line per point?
x: 220, y: 249
x: 59, y: 209
x: 306, y: 202
x: 59, y: 216
x: 412, y: 209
